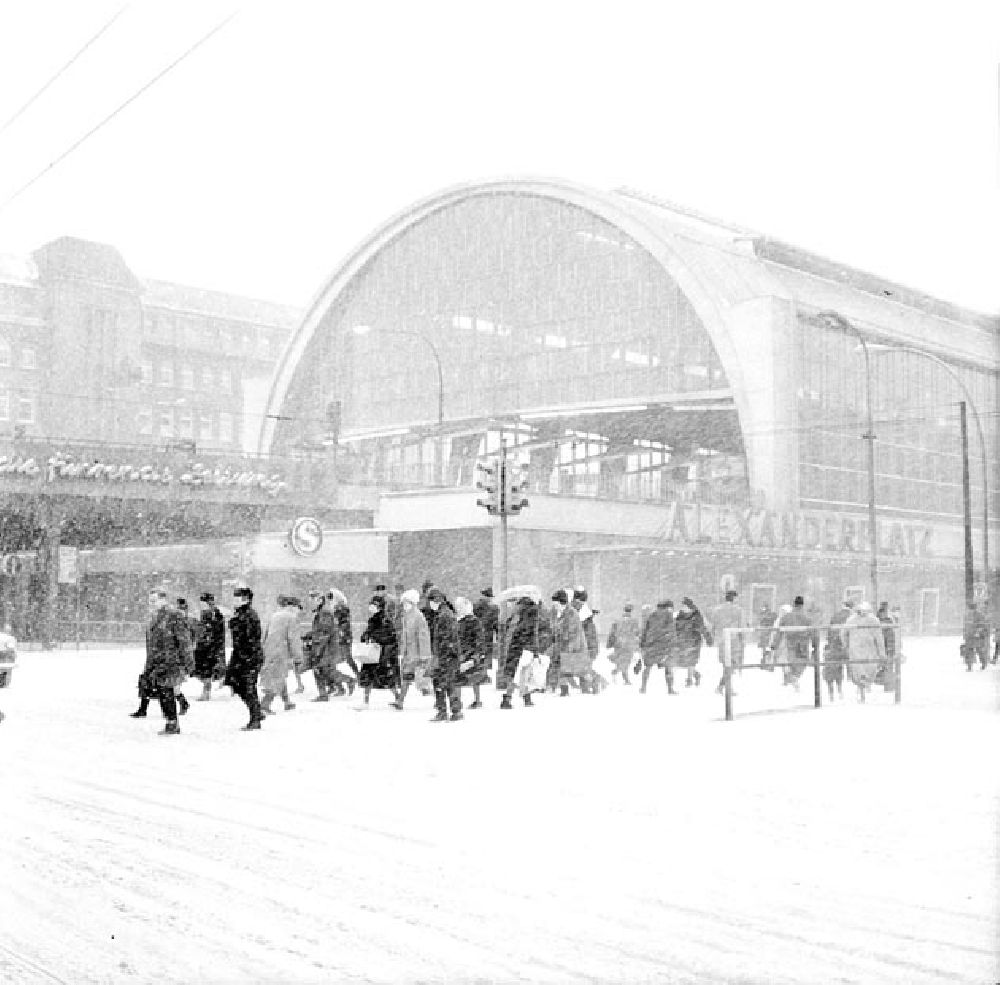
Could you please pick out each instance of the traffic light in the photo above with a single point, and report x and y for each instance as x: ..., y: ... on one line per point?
x: 515, y: 487
x: 491, y: 482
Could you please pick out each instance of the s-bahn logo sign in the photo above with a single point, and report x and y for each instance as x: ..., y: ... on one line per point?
x: 306, y: 536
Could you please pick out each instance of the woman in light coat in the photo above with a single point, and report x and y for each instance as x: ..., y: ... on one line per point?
x: 414, y: 640
x: 865, y: 647
x: 282, y: 649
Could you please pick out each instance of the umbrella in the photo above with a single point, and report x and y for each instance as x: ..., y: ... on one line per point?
x: 515, y: 592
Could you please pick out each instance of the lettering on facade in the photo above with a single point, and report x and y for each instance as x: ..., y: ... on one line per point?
x: 61, y: 466
x: 762, y: 529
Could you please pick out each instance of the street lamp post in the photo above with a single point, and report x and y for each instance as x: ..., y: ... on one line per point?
x: 879, y: 348
x: 869, y: 436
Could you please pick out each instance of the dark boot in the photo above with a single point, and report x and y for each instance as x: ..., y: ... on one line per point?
x: 527, y: 701
x: 505, y: 702
x: 441, y: 716
x: 252, y: 726
x: 171, y: 728
x: 563, y: 690
x: 182, y: 703
x: 140, y: 712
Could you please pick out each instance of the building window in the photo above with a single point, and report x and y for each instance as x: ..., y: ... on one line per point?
x: 26, y: 410
x: 4, y: 407
x: 166, y: 374
x: 187, y: 426
x: 144, y: 421
x: 4, y: 352
x: 226, y: 427
x: 187, y: 378
x: 205, y: 428
x: 27, y: 359
x: 226, y: 380
x: 146, y: 371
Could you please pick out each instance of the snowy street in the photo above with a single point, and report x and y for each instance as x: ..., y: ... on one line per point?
x: 617, y: 838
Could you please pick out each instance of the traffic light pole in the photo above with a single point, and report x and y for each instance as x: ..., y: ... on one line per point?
x: 504, y: 557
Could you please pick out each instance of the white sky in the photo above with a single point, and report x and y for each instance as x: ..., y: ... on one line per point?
x: 864, y: 132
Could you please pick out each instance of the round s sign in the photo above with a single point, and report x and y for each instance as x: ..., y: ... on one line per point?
x: 306, y: 536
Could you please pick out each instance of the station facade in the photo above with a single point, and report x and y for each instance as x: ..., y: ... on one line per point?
x: 689, y: 402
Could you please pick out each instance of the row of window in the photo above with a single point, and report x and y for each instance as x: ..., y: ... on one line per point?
x: 25, y: 360
x: 211, y: 427
x: 211, y: 378
x: 22, y: 408
x: 201, y: 333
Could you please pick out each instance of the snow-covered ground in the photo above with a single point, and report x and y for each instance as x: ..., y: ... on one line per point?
x: 617, y: 838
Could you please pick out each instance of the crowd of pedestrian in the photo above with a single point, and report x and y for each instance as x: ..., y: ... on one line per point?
x: 438, y: 646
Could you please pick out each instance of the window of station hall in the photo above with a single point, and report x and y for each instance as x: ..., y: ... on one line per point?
x: 916, y: 417
x: 528, y: 302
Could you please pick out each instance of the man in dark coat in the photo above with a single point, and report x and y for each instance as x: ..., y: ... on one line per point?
x: 447, y: 655
x: 210, y: 648
x: 488, y: 614
x: 168, y: 653
x: 324, y: 651
x: 657, y: 644
x: 247, y: 655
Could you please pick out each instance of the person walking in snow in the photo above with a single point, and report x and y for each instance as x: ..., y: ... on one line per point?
x: 447, y: 655
x: 569, y: 646
x: 689, y: 633
x: 658, y: 644
x: 589, y: 626
x: 728, y: 615
x: 281, y: 645
x: 623, y: 641
x: 247, y: 655
x: 168, y: 651
x: 414, y: 641
x: 384, y: 673
x: 473, y: 650
x: 865, y: 647
x: 210, y: 647
x: 795, y: 637
x: 835, y: 657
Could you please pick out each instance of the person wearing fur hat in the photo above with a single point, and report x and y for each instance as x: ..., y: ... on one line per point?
x: 414, y: 643
x: 247, y: 655
x: 447, y: 655
x: 384, y: 674
x: 210, y: 648
x: 472, y: 644
x: 623, y: 640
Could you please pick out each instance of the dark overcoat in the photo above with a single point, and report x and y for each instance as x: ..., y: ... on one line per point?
x: 210, y: 648
x: 247, y: 655
x: 168, y: 651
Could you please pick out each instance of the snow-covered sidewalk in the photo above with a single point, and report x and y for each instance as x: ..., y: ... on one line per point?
x: 617, y: 838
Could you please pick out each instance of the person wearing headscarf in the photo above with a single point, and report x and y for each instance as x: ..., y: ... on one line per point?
x: 281, y: 645
x: 623, y: 641
x: 247, y: 655
x: 865, y: 647
x: 689, y: 631
x: 414, y: 641
x: 472, y: 650
x: 447, y: 655
x: 210, y: 648
x: 384, y: 674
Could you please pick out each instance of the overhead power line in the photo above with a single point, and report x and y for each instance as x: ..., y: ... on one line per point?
x: 64, y: 68
x: 131, y: 99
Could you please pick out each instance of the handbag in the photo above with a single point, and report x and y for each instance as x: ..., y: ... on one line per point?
x: 370, y: 653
